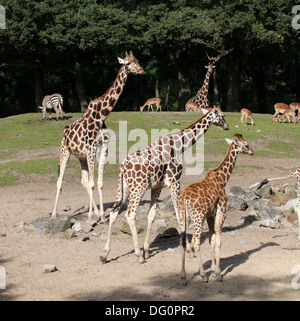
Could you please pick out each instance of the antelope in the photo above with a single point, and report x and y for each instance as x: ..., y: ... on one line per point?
x: 152, y: 101
x: 192, y: 106
x: 246, y: 113
x: 285, y: 110
x: 296, y: 106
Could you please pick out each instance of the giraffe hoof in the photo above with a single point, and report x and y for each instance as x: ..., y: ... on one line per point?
x: 217, y: 277
x: 141, y: 260
x: 103, y: 259
x: 183, y: 282
x: 204, y: 279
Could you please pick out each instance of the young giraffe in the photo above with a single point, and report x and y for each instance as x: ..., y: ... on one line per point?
x: 207, y: 200
x: 155, y: 167
x: 88, y: 137
x: 297, y: 174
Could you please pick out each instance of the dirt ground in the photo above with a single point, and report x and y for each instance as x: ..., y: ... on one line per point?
x: 258, y: 263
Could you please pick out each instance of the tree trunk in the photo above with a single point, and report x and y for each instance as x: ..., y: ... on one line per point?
x: 38, y: 82
x: 80, y: 87
x: 297, y: 70
x: 216, y: 87
x: 156, y: 89
x: 234, y: 81
x: 259, y: 78
x: 167, y: 94
x: 184, y: 90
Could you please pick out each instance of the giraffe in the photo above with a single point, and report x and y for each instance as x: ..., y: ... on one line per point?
x: 207, y: 200
x: 88, y: 138
x: 297, y: 174
x: 155, y: 167
x: 201, y: 97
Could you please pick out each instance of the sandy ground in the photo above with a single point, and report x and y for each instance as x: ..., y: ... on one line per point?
x: 258, y: 263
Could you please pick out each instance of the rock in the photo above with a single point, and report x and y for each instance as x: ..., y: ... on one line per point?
x: 49, y: 268
x: 20, y: 225
x: 2, y: 234
x: 160, y: 222
x: 282, y: 197
x: 168, y: 205
x: 269, y: 223
x: 69, y: 233
x: 67, y: 208
x: 250, y: 195
x: 175, y: 122
x: 124, y: 227
x: 49, y: 225
x: 289, y: 207
x: 293, y: 217
x: 236, y: 191
x: 264, y: 192
x: 82, y: 226
x: 236, y: 203
x: 277, y: 188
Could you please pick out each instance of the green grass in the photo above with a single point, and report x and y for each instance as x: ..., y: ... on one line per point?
x: 39, y: 140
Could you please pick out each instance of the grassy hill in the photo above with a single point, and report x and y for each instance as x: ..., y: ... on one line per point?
x: 29, y: 147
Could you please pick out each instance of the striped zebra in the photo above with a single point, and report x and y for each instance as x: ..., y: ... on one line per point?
x: 54, y: 101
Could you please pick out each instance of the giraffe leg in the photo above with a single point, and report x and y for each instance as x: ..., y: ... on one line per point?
x: 298, y: 213
x: 212, y: 240
x: 130, y: 216
x: 220, y: 218
x: 86, y: 184
x: 64, y: 158
x: 183, y: 249
x: 115, y: 211
x: 102, y: 159
x: 154, y: 197
x: 196, y: 237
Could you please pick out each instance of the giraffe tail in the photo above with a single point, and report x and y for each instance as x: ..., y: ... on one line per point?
x: 120, y: 197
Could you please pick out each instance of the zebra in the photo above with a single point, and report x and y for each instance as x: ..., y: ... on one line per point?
x: 54, y: 101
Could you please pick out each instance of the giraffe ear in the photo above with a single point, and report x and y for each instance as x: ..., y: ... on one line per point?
x: 122, y: 61
x: 229, y: 141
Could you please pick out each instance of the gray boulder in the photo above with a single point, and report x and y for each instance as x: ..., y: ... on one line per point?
x: 45, y: 225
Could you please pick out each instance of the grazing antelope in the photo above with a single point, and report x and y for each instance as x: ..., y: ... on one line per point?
x: 207, y: 200
x: 246, y: 113
x: 285, y: 110
x: 192, y: 106
x: 152, y: 101
x: 296, y: 106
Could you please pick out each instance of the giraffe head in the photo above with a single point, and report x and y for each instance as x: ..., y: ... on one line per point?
x: 131, y: 63
x: 218, y: 118
x: 242, y: 145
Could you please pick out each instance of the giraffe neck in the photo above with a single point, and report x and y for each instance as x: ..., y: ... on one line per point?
x: 204, y: 89
x: 228, y: 163
x: 101, y: 107
x: 188, y: 136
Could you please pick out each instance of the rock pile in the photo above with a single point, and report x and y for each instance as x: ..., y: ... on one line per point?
x: 269, y: 206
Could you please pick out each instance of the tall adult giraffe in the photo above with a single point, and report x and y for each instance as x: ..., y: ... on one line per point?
x: 88, y: 136
x: 201, y: 97
x: 155, y: 167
